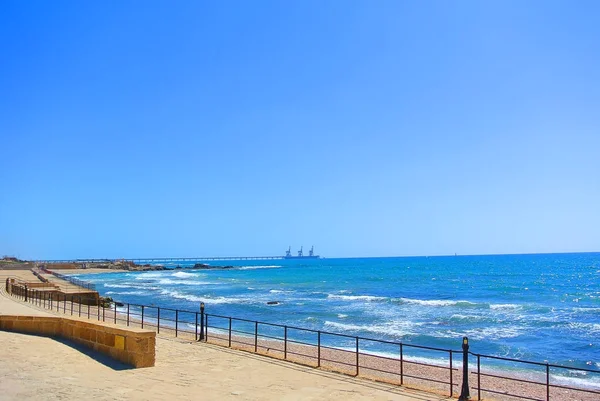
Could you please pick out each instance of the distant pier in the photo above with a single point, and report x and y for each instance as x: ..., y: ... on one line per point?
x: 148, y: 260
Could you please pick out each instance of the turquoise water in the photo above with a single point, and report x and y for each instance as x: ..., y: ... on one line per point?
x: 532, y: 307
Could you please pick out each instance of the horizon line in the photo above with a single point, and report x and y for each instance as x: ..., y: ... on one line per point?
x: 321, y: 257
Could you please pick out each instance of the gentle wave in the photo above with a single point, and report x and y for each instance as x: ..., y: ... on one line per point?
x: 434, y: 302
x: 168, y: 281
x: 257, y: 267
x: 120, y: 286
x: 280, y: 292
x: 196, y: 298
x: 368, y: 298
x: 144, y: 276
x: 379, y: 329
x: 183, y: 275
x: 505, y: 306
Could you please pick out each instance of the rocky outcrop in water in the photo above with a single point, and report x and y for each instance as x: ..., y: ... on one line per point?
x: 202, y: 266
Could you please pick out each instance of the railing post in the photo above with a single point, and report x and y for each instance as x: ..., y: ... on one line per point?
x: 205, y: 327
x: 357, y: 368
x: 71, y: 305
x: 196, y: 327
x: 478, y: 377
x: 284, y: 342
x: 547, y: 382
x: 201, y: 321
x: 464, y: 392
x: 176, y: 321
x: 255, y: 336
x: 142, y: 316
x: 450, y: 373
x: 115, y: 314
x: 230, y: 332
x: 319, y: 348
x: 26, y: 293
x: 158, y: 322
x: 79, y: 302
x: 401, y: 364
x: 64, y: 304
x: 128, y: 315
x: 88, y: 310
x: 98, y: 310
x: 103, y: 313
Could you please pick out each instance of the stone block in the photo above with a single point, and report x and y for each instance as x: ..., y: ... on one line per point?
x: 7, y: 325
x: 147, y: 361
x: 100, y: 336
x: 103, y: 348
x: 26, y: 326
x: 47, y: 327
x: 109, y: 339
x: 119, y: 342
x: 136, y: 344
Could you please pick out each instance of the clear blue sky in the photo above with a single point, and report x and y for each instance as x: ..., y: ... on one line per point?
x: 365, y: 128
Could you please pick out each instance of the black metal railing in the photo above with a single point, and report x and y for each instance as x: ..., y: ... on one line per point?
x: 72, y: 280
x: 347, y: 354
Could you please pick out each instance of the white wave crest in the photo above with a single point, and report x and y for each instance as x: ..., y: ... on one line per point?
x: 195, y: 298
x: 168, y: 281
x: 494, y: 333
x: 464, y: 317
x: 120, y: 286
x: 258, y: 267
x: 391, y: 330
x: 145, y: 276
x: 183, y: 275
x: 130, y: 293
x: 584, y: 382
x: 342, y: 316
x: 367, y: 298
x: 505, y: 306
x: 432, y: 302
x: 280, y: 292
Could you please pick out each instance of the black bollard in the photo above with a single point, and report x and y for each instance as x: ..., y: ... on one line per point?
x: 201, y: 321
x: 464, y: 392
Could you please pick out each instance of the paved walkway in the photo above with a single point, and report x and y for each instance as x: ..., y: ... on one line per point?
x: 8, y: 306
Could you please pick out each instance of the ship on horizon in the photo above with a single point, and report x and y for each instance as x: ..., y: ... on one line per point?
x: 311, y: 254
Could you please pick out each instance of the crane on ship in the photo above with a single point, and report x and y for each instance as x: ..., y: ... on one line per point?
x: 311, y: 254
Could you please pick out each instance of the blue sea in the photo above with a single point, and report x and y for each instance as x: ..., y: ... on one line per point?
x: 542, y: 307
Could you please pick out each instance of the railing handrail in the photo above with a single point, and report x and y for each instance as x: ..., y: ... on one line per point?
x: 534, y: 362
x: 72, y: 280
